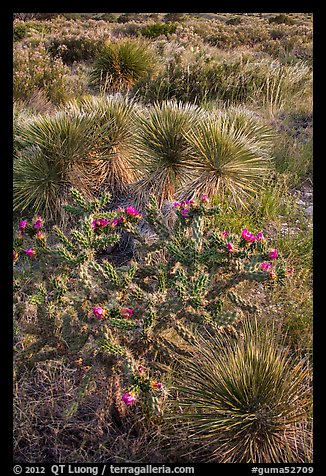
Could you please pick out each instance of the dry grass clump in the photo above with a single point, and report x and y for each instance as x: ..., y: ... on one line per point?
x: 43, y: 433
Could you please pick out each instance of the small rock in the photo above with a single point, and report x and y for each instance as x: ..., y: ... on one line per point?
x: 308, y: 194
x: 300, y: 202
x: 309, y: 210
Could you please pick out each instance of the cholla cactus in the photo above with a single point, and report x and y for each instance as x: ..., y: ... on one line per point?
x: 110, y: 315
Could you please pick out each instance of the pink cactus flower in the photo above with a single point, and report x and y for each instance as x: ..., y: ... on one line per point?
x: 246, y: 235
x: 157, y: 385
x: 140, y: 369
x: 230, y: 247
x: 38, y: 224
x: 176, y: 204
x: 40, y: 235
x: 114, y: 222
x: 125, y: 312
x: 30, y: 252
x: 99, y: 312
x: 260, y: 237
x: 273, y: 254
x: 265, y: 266
x: 184, y: 213
x: 100, y: 222
x: 131, y: 211
x: 272, y: 275
x: 122, y: 219
x: 225, y: 234
x: 22, y: 225
x: 205, y: 199
x: 191, y: 202
x: 128, y: 398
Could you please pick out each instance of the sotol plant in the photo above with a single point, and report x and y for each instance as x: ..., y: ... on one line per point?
x: 245, y: 398
x: 162, y: 150
x: 121, y: 64
x: 111, y: 166
x: 229, y: 153
x: 42, y: 172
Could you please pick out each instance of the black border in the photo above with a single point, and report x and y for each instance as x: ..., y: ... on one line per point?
x: 6, y: 333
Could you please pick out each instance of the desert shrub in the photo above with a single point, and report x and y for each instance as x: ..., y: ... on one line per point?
x: 127, y: 17
x: 282, y: 18
x: 34, y: 69
x: 174, y: 17
x: 154, y: 30
x: 121, y: 64
x: 245, y: 397
x: 109, y: 17
x: 114, y: 316
x: 234, y: 21
x: 19, y: 31
x: 72, y: 48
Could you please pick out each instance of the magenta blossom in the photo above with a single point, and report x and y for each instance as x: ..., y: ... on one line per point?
x: 265, y: 266
x: 128, y: 398
x: 230, y: 247
x: 30, y: 252
x: 157, y: 384
x: 140, y: 369
x: 184, y: 213
x: 38, y: 224
x: 114, y: 222
x: 22, y: 225
x: 205, y: 199
x: 273, y: 254
x: 99, y: 312
x: 225, y: 234
x: 100, y: 222
x: 131, y: 211
x: 176, y: 204
x: 125, y: 312
x: 247, y: 236
x: 260, y: 237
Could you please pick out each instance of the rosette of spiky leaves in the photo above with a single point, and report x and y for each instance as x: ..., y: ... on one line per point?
x: 45, y: 168
x: 242, y: 398
x: 109, y: 164
x: 162, y: 151
x: 226, y: 158
x: 122, y: 63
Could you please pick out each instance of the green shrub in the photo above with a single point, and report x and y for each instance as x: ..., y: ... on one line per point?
x: 126, y: 17
x: 72, y: 48
x: 19, y: 31
x: 35, y: 69
x: 109, y: 17
x: 156, y: 29
x: 174, y: 17
x: 282, y: 18
x: 234, y: 21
